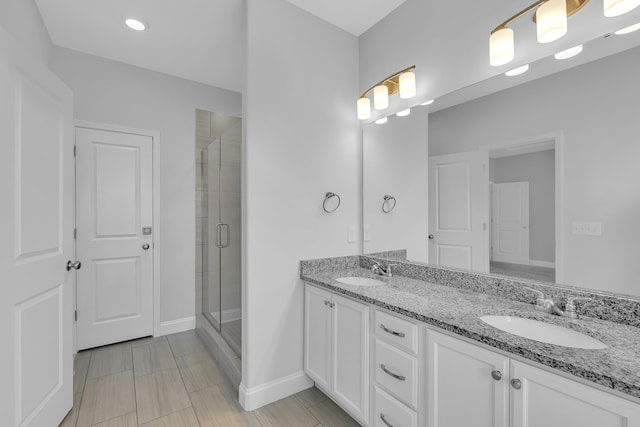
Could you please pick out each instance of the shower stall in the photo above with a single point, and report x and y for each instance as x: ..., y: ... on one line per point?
x: 218, y: 224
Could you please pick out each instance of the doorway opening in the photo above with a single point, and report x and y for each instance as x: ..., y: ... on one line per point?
x: 523, y: 209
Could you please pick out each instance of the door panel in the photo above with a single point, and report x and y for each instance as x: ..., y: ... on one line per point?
x: 114, y: 204
x: 36, y: 186
x: 511, y: 222
x: 458, y: 211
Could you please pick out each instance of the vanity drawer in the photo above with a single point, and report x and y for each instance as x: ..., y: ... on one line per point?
x: 397, y: 373
x: 393, y: 412
x: 400, y: 332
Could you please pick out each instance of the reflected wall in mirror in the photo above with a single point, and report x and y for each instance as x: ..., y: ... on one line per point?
x: 584, y: 121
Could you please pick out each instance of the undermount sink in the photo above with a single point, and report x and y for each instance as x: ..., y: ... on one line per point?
x: 360, y: 281
x: 544, y: 332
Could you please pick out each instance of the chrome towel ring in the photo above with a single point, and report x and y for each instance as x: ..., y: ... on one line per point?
x: 328, y: 197
x: 388, y: 201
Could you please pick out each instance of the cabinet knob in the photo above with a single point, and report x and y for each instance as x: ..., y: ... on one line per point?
x: 496, y: 375
x: 516, y: 383
x: 326, y: 302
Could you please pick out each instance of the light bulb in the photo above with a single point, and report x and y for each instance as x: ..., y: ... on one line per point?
x: 501, y: 47
x: 380, y: 97
x: 407, y: 82
x: 364, y: 108
x: 619, y: 7
x: 551, y: 20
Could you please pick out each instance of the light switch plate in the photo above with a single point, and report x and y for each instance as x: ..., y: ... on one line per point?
x: 351, y: 234
x: 586, y: 228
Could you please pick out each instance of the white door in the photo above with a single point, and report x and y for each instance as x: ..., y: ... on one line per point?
x: 351, y: 356
x: 115, y: 236
x: 510, y: 223
x: 468, y: 385
x: 542, y: 399
x: 458, y: 210
x: 36, y: 241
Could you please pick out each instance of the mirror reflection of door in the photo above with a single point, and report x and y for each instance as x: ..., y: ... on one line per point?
x: 523, y: 235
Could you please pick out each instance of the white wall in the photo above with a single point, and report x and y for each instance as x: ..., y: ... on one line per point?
x: 115, y: 93
x: 301, y: 140
x: 395, y: 157
x: 21, y: 19
x: 538, y: 169
x: 595, y: 108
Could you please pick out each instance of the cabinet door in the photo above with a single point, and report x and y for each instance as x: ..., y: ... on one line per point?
x: 544, y: 399
x: 461, y: 388
x: 351, y: 356
x: 317, y: 336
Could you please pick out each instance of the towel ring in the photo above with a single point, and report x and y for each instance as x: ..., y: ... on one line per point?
x: 328, y: 197
x: 387, y: 200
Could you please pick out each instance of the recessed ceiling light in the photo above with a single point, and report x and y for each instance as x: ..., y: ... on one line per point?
x: 135, y: 24
x: 629, y: 29
x: 429, y: 102
x: 517, y: 71
x: 381, y: 121
x: 404, y: 112
x: 569, y: 53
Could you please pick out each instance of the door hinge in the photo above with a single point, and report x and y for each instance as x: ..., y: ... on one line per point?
x: 75, y: 233
x: 74, y: 150
x: 75, y: 315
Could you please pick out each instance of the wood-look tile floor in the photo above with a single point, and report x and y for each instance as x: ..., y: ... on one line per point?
x: 172, y: 381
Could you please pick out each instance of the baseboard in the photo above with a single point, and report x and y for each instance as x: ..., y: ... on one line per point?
x: 256, y: 397
x: 542, y: 263
x: 178, y: 325
x: 227, y: 315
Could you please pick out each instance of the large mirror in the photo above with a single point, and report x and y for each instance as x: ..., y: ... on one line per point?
x: 539, y: 181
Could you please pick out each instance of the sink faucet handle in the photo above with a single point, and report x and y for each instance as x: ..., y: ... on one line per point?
x: 389, y: 269
x: 540, y: 296
x: 570, y: 309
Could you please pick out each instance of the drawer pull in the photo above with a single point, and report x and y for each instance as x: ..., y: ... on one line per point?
x: 384, y: 420
x: 388, y: 372
x: 389, y: 331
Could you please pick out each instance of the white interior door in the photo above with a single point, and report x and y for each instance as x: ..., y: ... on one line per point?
x: 458, y: 210
x: 36, y: 229
x: 510, y: 222
x: 115, y: 236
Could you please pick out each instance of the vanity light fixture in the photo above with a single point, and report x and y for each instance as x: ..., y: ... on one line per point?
x: 135, y: 24
x: 569, y: 53
x: 403, y: 81
x: 627, y: 30
x: 381, y: 121
x: 429, y: 102
x: 619, y: 7
x: 517, y: 71
x: 404, y: 113
x: 550, y: 17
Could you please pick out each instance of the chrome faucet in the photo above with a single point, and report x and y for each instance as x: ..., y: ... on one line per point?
x: 380, y: 270
x: 548, y: 305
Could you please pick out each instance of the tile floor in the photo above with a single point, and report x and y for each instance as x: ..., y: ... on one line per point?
x: 172, y: 381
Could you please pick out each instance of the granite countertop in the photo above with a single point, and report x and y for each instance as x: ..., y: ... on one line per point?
x: 457, y: 310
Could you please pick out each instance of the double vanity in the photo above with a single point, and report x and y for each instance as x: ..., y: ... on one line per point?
x: 445, y: 348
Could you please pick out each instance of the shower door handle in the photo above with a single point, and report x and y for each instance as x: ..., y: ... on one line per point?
x: 219, y: 235
x: 228, y: 236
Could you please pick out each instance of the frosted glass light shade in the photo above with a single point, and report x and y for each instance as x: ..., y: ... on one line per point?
x: 619, y: 7
x: 380, y: 97
x: 501, y: 47
x: 381, y: 121
x: 135, y: 24
x: 517, y: 71
x: 569, y: 53
x: 407, y: 85
x: 404, y: 113
x: 551, y: 20
x: 364, y: 108
x: 627, y: 30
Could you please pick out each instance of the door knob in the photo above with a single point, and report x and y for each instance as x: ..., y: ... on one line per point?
x: 75, y: 265
x: 145, y: 246
x: 431, y: 237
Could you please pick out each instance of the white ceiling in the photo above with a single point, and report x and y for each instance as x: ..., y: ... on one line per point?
x: 353, y: 16
x: 199, y: 40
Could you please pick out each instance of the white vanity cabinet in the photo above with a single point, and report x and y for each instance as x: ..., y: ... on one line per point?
x: 471, y: 386
x: 336, y: 349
